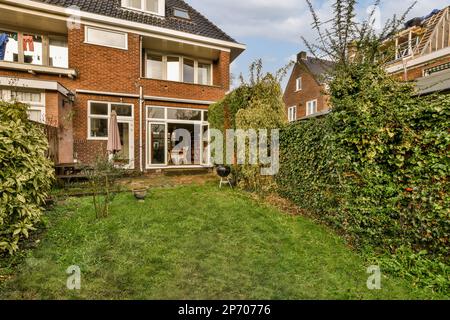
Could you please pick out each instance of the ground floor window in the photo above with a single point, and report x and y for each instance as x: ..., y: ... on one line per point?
x: 99, y: 113
x: 35, y: 99
x: 177, y: 137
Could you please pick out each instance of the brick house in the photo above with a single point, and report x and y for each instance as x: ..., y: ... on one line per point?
x: 422, y: 52
x: 305, y: 94
x: 158, y: 64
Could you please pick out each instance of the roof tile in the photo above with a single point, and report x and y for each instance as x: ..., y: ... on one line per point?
x: 197, y: 25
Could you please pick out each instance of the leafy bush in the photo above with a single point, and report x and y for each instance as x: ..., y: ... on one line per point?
x: 254, y: 105
x: 26, y: 175
x: 377, y: 168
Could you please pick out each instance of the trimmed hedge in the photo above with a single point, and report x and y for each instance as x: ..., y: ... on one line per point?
x: 376, y: 169
x: 26, y: 175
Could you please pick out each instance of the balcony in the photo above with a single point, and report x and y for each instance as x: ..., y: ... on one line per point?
x: 179, y: 62
x: 404, y: 48
x: 34, y: 53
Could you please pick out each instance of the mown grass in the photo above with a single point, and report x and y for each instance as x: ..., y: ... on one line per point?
x: 193, y: 242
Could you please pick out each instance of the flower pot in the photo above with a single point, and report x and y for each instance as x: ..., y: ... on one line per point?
x: 140, y: 194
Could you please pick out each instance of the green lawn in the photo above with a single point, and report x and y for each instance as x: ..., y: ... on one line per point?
x: 192, y: 242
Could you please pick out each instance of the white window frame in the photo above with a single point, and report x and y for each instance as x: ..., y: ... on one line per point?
x: 87, y: 41
x: 45, y: 47
x: 165, y: 121
x: 160, y: 12
x: 107, y: 117
x: 292, y: 113
x: 298, y: 84
x: 308, y: 104
x: 6, y: 95
x: 181, y: 59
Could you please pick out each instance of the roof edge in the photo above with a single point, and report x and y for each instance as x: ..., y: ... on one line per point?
x: 236, y: 47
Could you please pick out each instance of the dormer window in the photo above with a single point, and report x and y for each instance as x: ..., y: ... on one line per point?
x: 151, y: 6
x: 181, y: 13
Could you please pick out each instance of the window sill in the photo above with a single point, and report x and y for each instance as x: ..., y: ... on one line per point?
x: 31, y: 68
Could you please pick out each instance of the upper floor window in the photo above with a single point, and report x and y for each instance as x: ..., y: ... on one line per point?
x: 152, y: 6
x: 292, y: 114
x: 24, y: 47
x: 298, y: 84
x: 177, y: 68
x: 107, y: 38
x: 311, y: 107
x: 181, y: 13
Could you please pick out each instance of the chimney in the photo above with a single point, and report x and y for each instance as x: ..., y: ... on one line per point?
x: 302, y: 56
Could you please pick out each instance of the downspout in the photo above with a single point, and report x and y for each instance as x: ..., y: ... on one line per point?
x: 141, y: 106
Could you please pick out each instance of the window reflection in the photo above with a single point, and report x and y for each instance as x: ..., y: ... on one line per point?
x: 59, y: 53
x: 9, y: 48
x: 173, y: 68
x: 32, y: 49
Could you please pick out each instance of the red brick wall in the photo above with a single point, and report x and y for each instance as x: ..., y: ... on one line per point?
x: 118, y: 71
x: 311, y: 90
x: 115, y: 70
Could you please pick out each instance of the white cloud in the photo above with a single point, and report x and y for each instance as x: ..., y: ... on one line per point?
x: 287, y: 20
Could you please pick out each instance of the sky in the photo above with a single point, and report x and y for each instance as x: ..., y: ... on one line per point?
x: 272, y: 30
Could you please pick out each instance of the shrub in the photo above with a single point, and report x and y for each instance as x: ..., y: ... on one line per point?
x: 102, y: 177
x: 377, y: 170
x: 26, y: 175
x: 254, y: 105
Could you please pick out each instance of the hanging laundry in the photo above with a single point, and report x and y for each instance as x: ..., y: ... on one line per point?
x: 28, y: 43
x: 3, y: 42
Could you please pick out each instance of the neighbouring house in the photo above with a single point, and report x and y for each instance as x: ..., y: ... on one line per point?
x: 158, y: 64
x: 422, y: 52
x: 306, y: 91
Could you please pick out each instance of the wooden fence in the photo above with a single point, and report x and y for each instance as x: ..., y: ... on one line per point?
x: 53, y: 141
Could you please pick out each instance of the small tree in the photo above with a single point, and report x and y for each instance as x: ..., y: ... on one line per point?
x: 255, y: 104
x: 102, y: 179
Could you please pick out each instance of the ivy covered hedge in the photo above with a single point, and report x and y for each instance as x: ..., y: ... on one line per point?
x: 377, y: 170
x: 26, y: 175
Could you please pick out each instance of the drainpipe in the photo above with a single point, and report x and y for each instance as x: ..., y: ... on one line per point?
x: 141, y: 106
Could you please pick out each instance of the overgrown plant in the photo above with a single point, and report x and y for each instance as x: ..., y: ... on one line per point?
x: 102, y: 177
x: 256, y: 104
x: 26, y: 174
x: 376, y: 169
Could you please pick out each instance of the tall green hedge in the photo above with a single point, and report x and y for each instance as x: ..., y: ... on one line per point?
x: 26, y: 175
x: 377, y: 169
